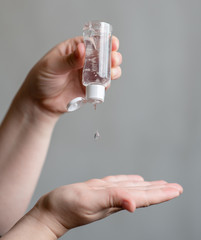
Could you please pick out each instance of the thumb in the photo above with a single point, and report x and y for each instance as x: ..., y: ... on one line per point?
x: 121, y: 199
x: 75, y: 60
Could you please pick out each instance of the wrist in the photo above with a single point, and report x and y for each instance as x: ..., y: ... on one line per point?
x: 32, y: 114
x: 47, y: 219
x: 30, y: 227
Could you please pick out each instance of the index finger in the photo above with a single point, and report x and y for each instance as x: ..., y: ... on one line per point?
x: 115, y: 43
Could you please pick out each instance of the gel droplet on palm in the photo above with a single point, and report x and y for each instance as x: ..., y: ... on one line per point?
x: 96, y: 135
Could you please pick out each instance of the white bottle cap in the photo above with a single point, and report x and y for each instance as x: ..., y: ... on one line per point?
x: 95, y: 93
x: 75, y: 104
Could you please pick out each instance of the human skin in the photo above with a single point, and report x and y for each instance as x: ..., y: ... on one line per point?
x: 26, y: 130
x: 74, y: 205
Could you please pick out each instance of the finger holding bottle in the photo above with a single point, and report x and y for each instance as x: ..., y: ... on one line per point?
x: 57, y: 78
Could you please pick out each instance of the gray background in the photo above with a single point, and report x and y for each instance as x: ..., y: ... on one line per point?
x: 150, y: 123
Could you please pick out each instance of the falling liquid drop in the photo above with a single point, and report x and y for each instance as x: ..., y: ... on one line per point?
x: 96, y: 135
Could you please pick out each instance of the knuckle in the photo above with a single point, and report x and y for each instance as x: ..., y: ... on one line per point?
x: 112, y: 197
x: 116, y: 58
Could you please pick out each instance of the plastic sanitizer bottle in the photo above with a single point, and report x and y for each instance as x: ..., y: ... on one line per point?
x: 96, y: 71
x: 96, y: 75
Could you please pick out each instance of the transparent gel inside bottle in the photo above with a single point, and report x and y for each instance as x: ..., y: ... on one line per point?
x: 97, y: 68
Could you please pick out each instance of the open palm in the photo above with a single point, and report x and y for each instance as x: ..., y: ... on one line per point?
x: 82, y: 203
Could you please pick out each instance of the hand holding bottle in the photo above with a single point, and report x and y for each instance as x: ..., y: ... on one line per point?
x: 56, y: 78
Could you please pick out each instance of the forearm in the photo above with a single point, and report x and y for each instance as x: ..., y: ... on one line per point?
x: 24, y: 139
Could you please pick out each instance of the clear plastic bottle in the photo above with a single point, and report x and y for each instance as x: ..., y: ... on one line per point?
x: 96, y: 71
